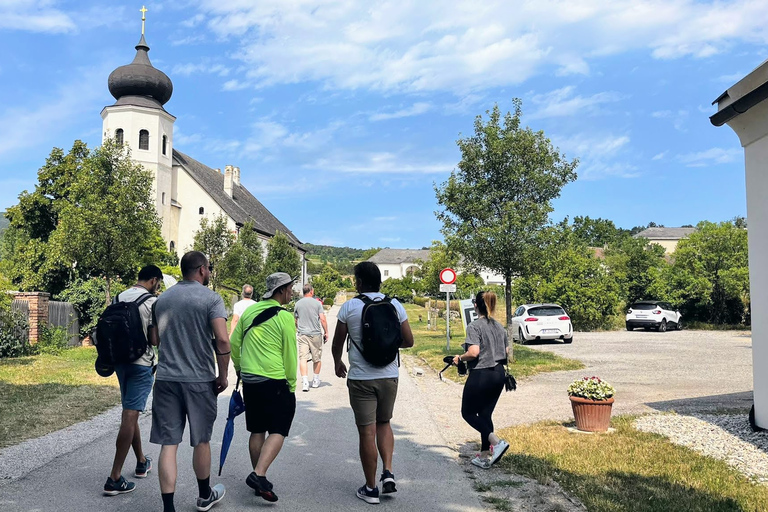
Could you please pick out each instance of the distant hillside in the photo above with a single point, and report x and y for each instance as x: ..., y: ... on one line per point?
x: 343, y: 258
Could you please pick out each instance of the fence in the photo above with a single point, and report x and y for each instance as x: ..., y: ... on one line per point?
x: 63, y: 314
x: 22, y: 307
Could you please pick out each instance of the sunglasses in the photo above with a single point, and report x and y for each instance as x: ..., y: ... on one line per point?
x: 474, y: 302
x: 210, y: 267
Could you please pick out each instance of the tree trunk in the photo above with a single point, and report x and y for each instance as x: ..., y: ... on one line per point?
x: 109, y: 291
x: 508, y: 307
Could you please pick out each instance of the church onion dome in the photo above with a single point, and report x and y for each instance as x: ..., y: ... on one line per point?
x: 140, y: 80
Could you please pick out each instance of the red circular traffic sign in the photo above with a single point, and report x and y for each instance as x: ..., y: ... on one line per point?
x: 447, y: 276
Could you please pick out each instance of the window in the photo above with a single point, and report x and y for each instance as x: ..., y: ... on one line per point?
x: 201, y: 211
x: 143, y: 139
x: 386, y: 273
x: 119, y: 135
x: 165, y: 143
x: 172, y: 245
x: 163, y: 198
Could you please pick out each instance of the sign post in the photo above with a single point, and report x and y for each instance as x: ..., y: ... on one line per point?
x: 448, y: 278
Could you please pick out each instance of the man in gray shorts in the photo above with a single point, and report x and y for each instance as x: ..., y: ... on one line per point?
x: 310, y: 316
x: 191, y: 324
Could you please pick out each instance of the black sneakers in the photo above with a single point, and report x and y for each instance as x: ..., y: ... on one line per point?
x: 367, y: 496
x: 119, y: 486
x: 387, y: 482
x: 262, y: 486
x: 142, y: 469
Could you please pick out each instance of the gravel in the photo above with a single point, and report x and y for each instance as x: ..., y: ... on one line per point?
x: 726, y: 437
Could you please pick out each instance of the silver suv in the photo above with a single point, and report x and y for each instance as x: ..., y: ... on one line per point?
x: 653, y: 314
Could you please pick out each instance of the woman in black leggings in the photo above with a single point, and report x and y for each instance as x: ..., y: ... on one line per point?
x: 486, y: 351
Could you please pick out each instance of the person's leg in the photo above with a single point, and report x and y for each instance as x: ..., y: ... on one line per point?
x: 269, y: 451
x: 316, y: 367
x: 317, y: 356
x: 255, y: 444
x: 166, y: 468
x: 368, y: 452
x: 386, y: 393
x: 136, y: 444
x: 385, y: 442
x: 303, y: 367
x: 485, y: 413
x: 473, y: 401
x: 125, y: 437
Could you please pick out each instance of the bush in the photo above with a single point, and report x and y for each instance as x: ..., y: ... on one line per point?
x: 328, y: 302
x: 13, y: 335
x: 420, y: 301
x: 53, y: 340
x: 89, y: 300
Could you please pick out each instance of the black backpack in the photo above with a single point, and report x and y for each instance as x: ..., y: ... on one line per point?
x: 120, y: 336
x: 382, y: 334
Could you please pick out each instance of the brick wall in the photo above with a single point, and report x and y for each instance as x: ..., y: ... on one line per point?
x: 38, y: 311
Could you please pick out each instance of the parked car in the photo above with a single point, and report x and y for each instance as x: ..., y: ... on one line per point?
x: 653, y: 314
x: 541, y: 322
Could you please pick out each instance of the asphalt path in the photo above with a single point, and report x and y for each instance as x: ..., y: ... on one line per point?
x: 317, y: 470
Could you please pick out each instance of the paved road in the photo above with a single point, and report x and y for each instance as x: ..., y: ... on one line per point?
x: 318, y: 469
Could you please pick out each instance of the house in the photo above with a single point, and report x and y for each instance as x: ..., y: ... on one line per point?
x: 665, y: 237
x: 396, y: 263
x: 186, y: 191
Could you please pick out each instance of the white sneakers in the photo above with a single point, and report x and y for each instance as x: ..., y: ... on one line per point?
x: 496, y: 453
x: 305, y: 386
x: 315, y: 382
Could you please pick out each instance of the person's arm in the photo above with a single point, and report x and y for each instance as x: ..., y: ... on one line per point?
x: 223, y: 351
x: 407, y: 335
x: 324, y: 323
x: 233, y: 323
x: 236, y: 344
x: 290, y: 357
x: 152, y: 336
x: 473, y: 347
x: 337, y: 348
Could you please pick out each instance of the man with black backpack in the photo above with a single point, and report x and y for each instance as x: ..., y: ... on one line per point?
x: 132, y: 316
x: 374, y: 328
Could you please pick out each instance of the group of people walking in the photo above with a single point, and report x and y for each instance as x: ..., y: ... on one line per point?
x: 266, y: 343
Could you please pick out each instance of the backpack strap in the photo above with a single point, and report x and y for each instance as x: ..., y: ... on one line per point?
x: 263, y: 317
x: 143, y: 298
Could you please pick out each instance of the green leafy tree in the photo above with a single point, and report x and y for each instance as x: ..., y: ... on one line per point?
x: 244, y: 261
x: 496, y: 205
x: 596, y: 232
x: 428, y: 274
x: 281, y: 257
x: 636, y: 265
x: 329, y: 282
x: 402, y: 289
x: 214, y: 239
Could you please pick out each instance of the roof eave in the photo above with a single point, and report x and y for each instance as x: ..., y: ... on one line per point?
x: 739, y: 106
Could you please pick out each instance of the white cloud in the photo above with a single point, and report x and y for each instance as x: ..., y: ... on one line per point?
x: 563, y: 103
x: 599, y: 156
x: 34, y: 16
x: 712, y: 156
x: 463, y: 47
x: 660, y: 156
x: 678, y: 118
x: 234, y: 85
x: 271, y: 137
x: 204, y: 67
x: 414, y: 110
x: 730, y: 79
x: 378, y: 163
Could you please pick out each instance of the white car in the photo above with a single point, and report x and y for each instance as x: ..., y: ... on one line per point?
x: 653, y: 314
x: 541, y: 322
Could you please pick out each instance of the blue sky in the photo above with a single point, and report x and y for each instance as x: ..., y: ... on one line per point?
x: 342, y: 114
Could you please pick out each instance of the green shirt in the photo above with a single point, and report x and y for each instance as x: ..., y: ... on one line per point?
x: 269, y: 349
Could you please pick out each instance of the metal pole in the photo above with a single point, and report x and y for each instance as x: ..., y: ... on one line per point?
x: 447, y: 321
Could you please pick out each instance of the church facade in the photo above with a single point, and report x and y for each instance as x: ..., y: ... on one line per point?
x: 186, y: 191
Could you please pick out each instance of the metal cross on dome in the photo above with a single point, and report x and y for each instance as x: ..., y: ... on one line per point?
x: 143, y: 11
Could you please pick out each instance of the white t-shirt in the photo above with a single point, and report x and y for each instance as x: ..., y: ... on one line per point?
x: 360, y: 369
x: 240, y: 306
x: 131, y: 294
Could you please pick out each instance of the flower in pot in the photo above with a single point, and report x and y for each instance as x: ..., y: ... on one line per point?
x: 591, y: 401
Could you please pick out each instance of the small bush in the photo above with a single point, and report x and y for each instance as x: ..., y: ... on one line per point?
x: 13, y: 335
x: 328, y: 302
x: 53, y: 340
x: 89, y: 300
x: 420, y: 301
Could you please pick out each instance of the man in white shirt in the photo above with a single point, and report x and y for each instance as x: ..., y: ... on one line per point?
x: 372, y: 389
x: 239, y: 308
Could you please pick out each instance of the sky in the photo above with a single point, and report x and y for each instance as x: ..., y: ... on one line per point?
x: 343, y: 115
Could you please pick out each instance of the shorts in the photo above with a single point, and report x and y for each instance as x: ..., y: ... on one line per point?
x: 269, y: 407
x: 310, y: 345
x: 174, y: 402
x: 135, y: 384
x: 372, y: 401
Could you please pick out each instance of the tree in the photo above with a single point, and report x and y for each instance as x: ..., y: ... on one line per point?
x: 467, y: 283
x: 402, y: 289
x: 636, y: 265
x: 497, y: 203
x: 281, y: 257
x: 244, y: 261
x: 328, y: 282
x: 214, y: 239
x: 596, y: 232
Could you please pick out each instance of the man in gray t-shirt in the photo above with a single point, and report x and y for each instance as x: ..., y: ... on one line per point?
x: 191, y: 324
x: 311, y: 334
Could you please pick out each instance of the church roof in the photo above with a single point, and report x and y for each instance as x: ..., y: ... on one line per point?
x: 242, y: 206
x: 140, y: 81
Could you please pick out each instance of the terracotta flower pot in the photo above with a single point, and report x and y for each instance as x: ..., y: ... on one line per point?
x: 591, y: 415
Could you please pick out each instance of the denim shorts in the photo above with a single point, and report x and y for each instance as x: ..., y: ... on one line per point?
x: 135, y: 384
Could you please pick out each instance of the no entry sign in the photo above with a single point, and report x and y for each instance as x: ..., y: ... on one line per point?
x: 447, y: 276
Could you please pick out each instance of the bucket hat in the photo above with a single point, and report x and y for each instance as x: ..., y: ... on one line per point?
x: 275, y: 281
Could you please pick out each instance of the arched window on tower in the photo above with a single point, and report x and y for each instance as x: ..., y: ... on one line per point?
x: 163, y: 200
x: 143, y: 139
x: 119, y: 135
x: 172, y: 246
x: 201, y: 211
x: 165, y: 143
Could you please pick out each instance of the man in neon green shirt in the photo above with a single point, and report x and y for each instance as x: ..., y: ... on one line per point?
x: 265, y: 359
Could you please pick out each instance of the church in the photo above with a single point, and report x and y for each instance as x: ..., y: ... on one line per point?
x: 186, y: 190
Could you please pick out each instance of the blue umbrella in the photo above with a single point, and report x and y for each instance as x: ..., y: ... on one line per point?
x: 236, y: 407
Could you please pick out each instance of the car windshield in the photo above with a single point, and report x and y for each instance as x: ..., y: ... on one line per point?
x: 546, y: 311
x: 644, y: 306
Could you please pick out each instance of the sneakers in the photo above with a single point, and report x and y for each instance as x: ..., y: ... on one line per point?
x: 498, y: 450
x: 262, y: 486
x: 305, y: 386
x: 367, y: 496
x: 481, y: 462
x: 142, y: 469
x: 315, y: 382
x: 217, y: 494
x: 120, y: 486
x: 387, y: 482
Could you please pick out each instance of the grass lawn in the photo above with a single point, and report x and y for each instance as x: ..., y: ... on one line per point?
x: 430, y: 345
x: 44, y: 393
x: 629, y: 470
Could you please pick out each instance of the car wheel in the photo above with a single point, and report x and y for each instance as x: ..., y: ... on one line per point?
x: 629, y: 328
x: 568, y: 340
x: 663, y: 326
x: 521, y: 336
x: 680, y: 325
